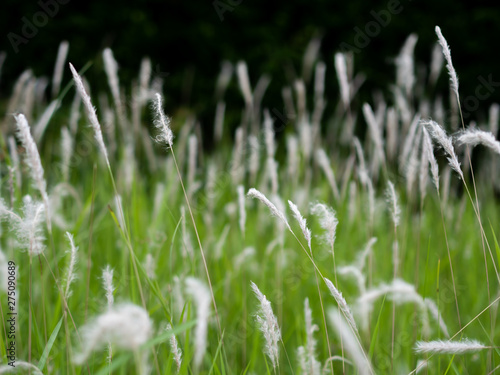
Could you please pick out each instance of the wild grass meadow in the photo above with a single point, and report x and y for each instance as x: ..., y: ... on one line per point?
x: 362, y: 242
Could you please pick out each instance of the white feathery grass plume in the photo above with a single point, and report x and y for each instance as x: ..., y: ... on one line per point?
x: 356, y: 273
x: 350, y: 342
x: 403, y: 107
x: 91, y: 113
x: 392, y: 200
x: 429, y: 151
x: 62, y: 52
x: 437, y: 132
x: 21, y: 367
x: 107, y: 282
x: 436, y: 64
x: 126, y: 326
x: 409, y: 141
x: 400, y: 292
x: 363, y: 172
x: 144, y: 79
x: 405, y: 67
x: 302, y: 222
x: 449, y: 347
x: 269, y: 134
x: 66, y: 152
x: 421, y: 365
x: 392, y: 133
x: 175, y: 349
x: 34, y: 162
x: 258, y: 93
x: 341, y: 69
x: 40, y: 88
x: 268, y: 324
x: 493, y: 116
x: 14, y: 157
x: 244, y: 82
x: 43, y: 121
x: 343, y: 306
x: 238, y: 162
x: 474, y: 137
x: 305, y: 133
x: 162, y: 123
x: 434, y: 312
x: 424, y: 170
x: 374, y: 127
x: 254, y: 158
x: 449, y: 64
x: 111, y: 69
x: 70, y: 273
x: 223, y: 79
x: 310, y: 364
x: 319, y: 82
x: 28, y: 229
x: 328, y: 221
x: 120, y: 215
x: 300, y: 90
x: 219, y: 121
x: 14, y: 101
x: 27, y: 105
x: 324, y: 163
x: 202, y: 298
x: 292, y: 152
x: 310, y: 56
x: 241, y: 205
x: 254, y: 193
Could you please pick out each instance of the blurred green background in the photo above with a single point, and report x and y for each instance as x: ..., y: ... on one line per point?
x: 188, y: 40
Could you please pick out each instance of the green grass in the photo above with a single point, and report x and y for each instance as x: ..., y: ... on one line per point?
x: 279, y: 265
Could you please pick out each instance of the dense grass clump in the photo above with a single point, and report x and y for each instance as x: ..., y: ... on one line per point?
x: 131, y: 250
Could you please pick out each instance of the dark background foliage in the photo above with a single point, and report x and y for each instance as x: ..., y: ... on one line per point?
x: 187, y: 40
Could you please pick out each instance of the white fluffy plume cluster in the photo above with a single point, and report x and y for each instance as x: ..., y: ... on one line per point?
x: 269, y: 327
x: 474, y: 137
x: 29, y: 226
x: 449, y: 347
x: 162, y: 123
x: 125, y: 326
x: 202, y: 298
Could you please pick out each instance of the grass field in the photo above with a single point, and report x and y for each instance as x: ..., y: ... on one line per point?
x: 128, y: 249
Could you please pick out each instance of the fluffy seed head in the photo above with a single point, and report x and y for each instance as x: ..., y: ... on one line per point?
x: 474, y: 137
x: 302, y: 222
x: 91, y: 113
x: 449, y: 65
x: 268, y: 325
x: 449, y: 347
x: 328, y: 221
x: 162, y: 123
x: 254, y: 193
x: 125, y: 326
x: 437, y: 132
